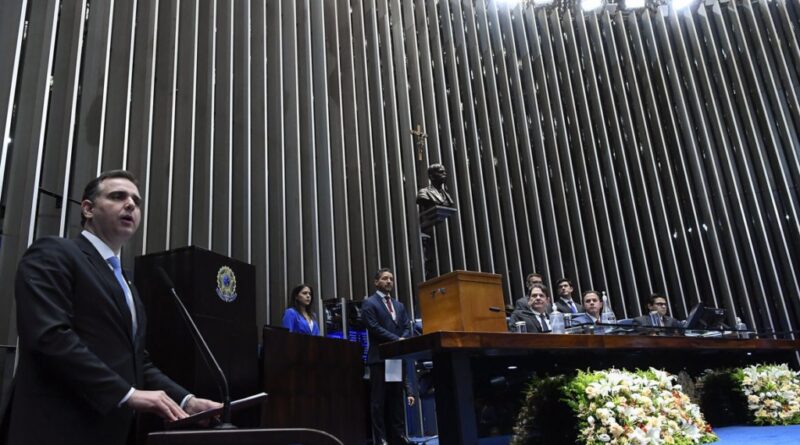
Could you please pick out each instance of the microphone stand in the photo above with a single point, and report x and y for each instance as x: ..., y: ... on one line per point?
x: 207, y: 355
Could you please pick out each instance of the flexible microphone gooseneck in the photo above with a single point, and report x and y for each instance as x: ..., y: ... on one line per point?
x: 208, y: 356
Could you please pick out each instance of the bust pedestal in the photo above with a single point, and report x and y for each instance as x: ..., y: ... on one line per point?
x: 429, y: 218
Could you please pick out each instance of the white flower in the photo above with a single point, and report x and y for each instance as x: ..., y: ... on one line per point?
x: 616, y: 430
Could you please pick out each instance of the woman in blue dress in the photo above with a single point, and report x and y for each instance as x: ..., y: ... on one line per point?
x: 299, y: 316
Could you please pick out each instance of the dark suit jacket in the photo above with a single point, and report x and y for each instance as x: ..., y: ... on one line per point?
x: 77, y: 355
x: 582, y: 318
x: 645, y: 320
x: 532, y: 322
x: 380, y: 326
x: 669, y: 323
x: 563, y: 308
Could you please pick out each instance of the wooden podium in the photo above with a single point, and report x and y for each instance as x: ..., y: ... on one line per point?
x: 314, y: 382
x: 463, y: 301
x: 229, y: 326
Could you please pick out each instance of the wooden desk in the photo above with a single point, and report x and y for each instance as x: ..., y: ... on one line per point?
x: 456, y: 354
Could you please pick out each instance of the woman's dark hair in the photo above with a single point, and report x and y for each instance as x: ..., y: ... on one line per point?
x: 293, y: 298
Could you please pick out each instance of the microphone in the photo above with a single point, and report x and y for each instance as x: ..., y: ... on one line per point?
x: 208, y: 356
x: 505, y: 310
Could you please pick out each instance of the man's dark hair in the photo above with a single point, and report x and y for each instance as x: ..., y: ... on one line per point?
x: 542, y: 287
x: 381, y: 271
x: 533, y: 274
x: 563, y: 280
x: 92, y: 189
x: 652, y: 298
x: 587, y: 292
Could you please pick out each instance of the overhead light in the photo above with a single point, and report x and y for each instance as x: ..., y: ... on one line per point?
x: 591, y: 5
x: 680, y: 4
x: 542, y: 2
x: 635, y: 4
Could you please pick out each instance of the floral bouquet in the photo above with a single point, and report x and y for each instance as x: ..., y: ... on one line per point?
x: 773, y: 393
x: 621, y: 407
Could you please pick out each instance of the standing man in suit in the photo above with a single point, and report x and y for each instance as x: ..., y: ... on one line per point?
x: 83, y: 370
x: 657, y: 317
x: 387, y: 321
x: 564, y: 303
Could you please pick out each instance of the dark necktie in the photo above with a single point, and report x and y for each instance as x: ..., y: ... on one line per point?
x: 389, y: 305
x: 543, y: 321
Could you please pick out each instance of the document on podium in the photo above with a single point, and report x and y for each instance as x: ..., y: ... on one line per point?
x: 236, y: 405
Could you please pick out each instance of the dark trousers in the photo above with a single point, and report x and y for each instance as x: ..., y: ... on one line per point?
x: 386, y: 407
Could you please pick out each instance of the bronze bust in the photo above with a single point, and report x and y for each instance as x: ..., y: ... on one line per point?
x: 436, y: 193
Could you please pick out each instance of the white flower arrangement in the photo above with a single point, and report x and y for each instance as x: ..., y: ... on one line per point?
x: 772, y: 392
x: 635, y: 408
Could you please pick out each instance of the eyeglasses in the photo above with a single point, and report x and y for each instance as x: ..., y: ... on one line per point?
x: 659, y: 304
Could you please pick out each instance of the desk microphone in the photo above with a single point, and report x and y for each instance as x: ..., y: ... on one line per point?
x: 506, y: 310
x: 208, y: 356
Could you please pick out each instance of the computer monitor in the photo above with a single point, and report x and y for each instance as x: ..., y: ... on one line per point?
x: 705, y: 317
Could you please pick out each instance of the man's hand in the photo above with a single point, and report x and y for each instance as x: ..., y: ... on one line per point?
x: 195, y: 405
x: 411, y: 400
x: 156, y: 402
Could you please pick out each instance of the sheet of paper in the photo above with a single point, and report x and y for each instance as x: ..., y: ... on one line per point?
x: 394, y: 371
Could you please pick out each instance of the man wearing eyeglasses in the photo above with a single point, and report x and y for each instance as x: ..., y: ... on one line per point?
x: 657, y: 317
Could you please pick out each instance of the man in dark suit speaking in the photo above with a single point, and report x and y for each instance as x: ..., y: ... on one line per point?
x: 386, y: 320
x: 83, y: 370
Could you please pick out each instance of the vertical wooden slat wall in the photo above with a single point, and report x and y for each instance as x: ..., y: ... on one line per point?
x: 634, y: 151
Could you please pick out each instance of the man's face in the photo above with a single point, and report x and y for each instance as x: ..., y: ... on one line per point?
x: 115, y: 213
x: 659, y: 305
x: 533, y: 279
x: 537, y: 300
x: 592, y: 304
x: 565, y: 289
x: 385, y: 282
x: 438, y: 175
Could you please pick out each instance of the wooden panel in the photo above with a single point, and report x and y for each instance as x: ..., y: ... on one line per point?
x: 305, y: 374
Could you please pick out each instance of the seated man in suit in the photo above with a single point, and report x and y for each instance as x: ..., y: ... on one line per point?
x: 530, y: 280
x: 564, y: 303
x: 592, y: 307
x: 657, y: 317
x: 535, y: 316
